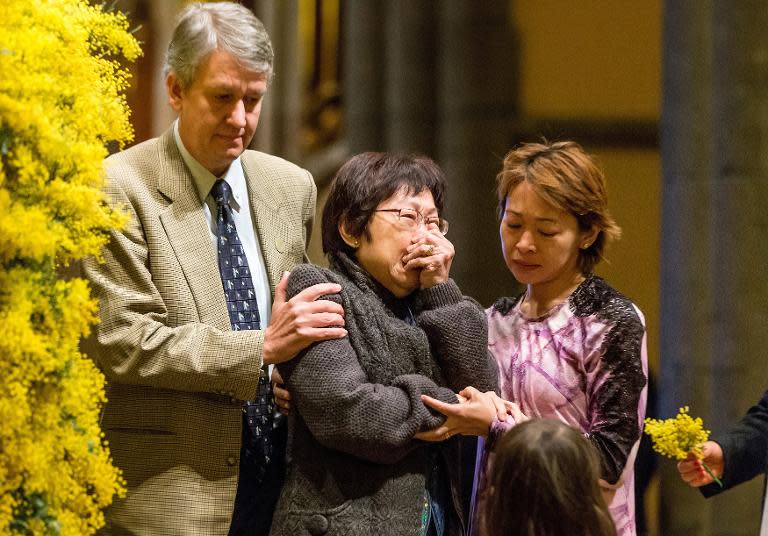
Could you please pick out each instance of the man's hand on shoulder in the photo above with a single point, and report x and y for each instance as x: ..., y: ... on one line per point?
x: 302, y: 320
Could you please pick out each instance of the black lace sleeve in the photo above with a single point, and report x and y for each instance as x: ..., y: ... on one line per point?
x: 614, y: 392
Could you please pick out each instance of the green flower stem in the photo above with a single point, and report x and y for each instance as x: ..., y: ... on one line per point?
x: 719, y: 483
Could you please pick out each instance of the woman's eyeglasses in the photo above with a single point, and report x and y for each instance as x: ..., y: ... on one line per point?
x: 412, y: 218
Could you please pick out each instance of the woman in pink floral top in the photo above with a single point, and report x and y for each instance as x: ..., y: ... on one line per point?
x: 570, y: 347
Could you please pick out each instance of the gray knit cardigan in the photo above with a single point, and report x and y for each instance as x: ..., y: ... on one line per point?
x: 354, y: 465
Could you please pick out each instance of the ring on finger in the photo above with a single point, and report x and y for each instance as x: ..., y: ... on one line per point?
x: 429, y: 249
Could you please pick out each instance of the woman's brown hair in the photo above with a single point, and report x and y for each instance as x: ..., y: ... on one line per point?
x: 568, y: 178
x: 543, y: 481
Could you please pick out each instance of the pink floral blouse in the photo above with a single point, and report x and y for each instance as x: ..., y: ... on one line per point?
x: 584, y: 363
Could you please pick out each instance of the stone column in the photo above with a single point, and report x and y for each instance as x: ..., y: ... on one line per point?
x: 364, y: 68
x: 714, y: 142
x: 163, y: 15
x: 477, y: 104
x: 278, y: 130
x: 390, y: 83
x: 410, y: 70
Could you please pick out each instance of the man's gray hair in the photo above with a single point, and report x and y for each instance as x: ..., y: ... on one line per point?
x: 203, y: 28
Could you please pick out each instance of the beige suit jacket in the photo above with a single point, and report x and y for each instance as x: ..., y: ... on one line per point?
x: 176, y: 373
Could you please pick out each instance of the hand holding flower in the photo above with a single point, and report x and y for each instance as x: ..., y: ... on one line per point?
x: 684, y: 438
x: 692, y: 469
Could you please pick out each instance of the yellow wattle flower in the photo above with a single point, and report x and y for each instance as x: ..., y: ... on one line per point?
x: 61, y: 101
x: 679, y: 436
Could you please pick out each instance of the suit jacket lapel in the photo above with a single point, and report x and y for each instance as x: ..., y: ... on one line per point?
x: 271, y: 230
x: 188, y: 233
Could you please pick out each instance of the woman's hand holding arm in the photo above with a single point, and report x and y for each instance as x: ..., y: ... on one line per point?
x: 473, y: 415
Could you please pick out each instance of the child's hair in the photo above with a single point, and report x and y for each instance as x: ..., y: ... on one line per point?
x: 543, y: 481
x: 568, y: 178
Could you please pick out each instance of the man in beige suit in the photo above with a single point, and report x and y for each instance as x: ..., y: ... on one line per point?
x: 178, y: 365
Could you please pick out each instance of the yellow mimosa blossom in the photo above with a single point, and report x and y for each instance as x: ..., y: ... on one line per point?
x: 677, y: 437
x: 61, y: 102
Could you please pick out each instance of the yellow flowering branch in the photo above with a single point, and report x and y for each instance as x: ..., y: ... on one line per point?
x: 679, y: 437
x: 61, y: 101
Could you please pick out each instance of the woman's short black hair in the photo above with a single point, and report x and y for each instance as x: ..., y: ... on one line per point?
x: 368, y: 179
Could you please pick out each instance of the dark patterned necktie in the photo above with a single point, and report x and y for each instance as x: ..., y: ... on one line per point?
x: 243, y: 314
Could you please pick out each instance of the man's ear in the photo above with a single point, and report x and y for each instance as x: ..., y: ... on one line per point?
x: 350, y: 240
x: 175, y: 91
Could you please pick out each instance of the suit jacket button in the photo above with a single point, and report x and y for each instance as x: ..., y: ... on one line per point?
x: 280, y: 245
x: 317, y: 524
x: 231, y: 461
